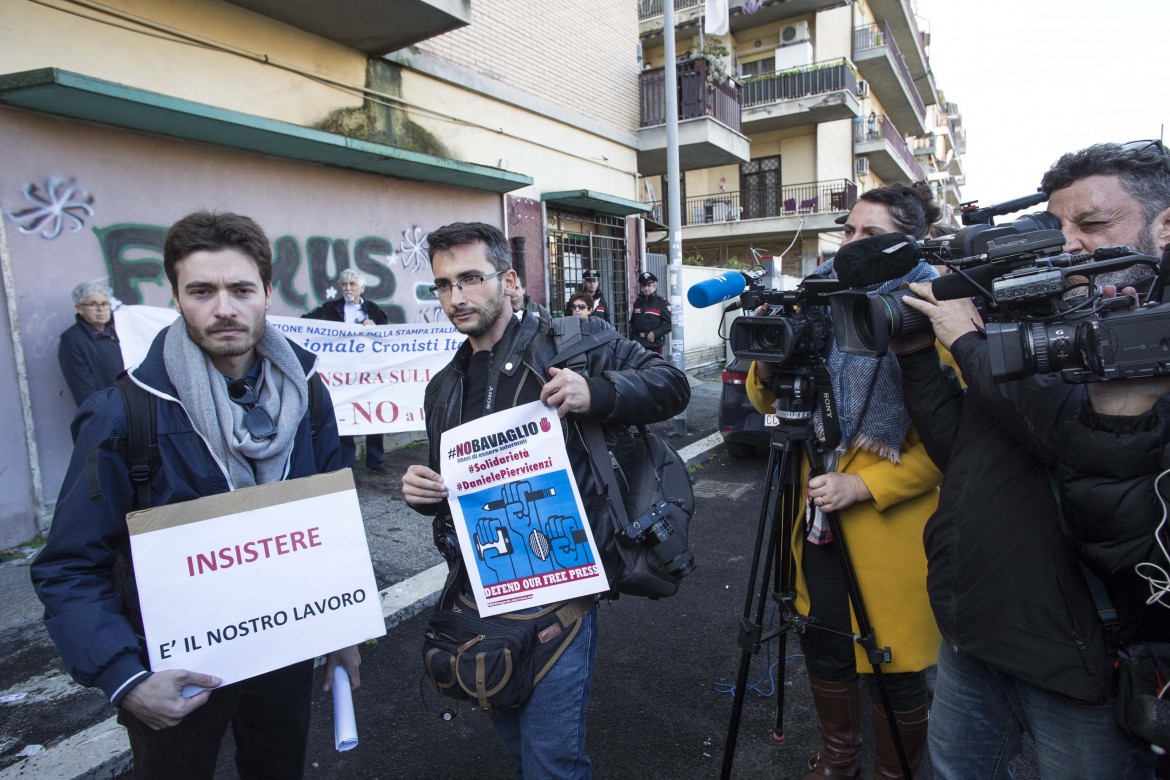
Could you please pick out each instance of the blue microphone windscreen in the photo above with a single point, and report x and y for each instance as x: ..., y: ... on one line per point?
x: 722, y: 288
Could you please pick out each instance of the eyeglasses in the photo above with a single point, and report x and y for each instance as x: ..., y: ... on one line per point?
x: 582, y: 306
x: 257, y: 421
x: 1143, y: 145
x: 95, y: 306
x: 444, y: 287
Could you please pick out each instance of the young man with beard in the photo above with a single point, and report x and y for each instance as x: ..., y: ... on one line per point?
x: 505, y: 362
x: 1024, y: 649
x: 218, y: 351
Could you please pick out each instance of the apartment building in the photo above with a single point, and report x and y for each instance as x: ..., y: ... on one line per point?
x: 832, y: 98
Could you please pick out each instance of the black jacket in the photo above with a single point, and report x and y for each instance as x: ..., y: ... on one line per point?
x: 627, y: 386
x: 1107, y: 467
x: 90, y: 361
x: 600, y: 308
x: 650, y: 315
x: 1004, y: 582
x: 334, y: 311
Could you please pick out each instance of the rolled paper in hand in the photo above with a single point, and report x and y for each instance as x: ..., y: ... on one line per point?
x: 344, y: 723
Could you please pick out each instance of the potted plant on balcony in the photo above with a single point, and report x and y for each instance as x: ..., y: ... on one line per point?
x: 715, y: 53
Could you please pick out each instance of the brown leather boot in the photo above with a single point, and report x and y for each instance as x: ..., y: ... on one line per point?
x: 911, y: 727
x: 839, y: 720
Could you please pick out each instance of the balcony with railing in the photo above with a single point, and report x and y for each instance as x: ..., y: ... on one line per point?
x: 821, y: 92
x: 889, y: 156
x: 758, y: 210
x: 648, y: 9
x: 687, y: 12
x: 876, y: 53
x: 899, y: 17
x: 709, y: 116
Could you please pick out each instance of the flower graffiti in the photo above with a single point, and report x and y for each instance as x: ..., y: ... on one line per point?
x: 61, y: 201
x: 414, y: 249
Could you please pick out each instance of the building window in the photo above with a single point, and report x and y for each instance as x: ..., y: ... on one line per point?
x: 757, y: 67
x: 582, y: 239
x: 759, y: 185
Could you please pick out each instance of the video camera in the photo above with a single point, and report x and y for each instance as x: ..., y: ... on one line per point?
x: 1024, y: 282
x: 795, y: 328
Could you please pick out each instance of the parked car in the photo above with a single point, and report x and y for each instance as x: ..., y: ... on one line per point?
x: 745, y: 431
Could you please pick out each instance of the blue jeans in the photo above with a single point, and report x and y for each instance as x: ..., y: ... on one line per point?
x: 375, y: 452
x: 546, y: 737
x: 979, y: 716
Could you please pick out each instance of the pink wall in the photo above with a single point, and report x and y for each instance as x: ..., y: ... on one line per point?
x: 105, y: 197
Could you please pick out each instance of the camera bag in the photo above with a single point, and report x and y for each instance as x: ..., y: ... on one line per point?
x: 496, y: 661
x: 1143, y: 672
x: 652, y: 487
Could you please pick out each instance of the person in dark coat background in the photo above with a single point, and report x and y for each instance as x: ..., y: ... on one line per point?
x: 353, y: 309
x: 650, y: 314
x: 591, y: 283
x: 89, y: 352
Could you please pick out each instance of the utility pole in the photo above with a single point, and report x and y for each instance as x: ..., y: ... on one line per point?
x: 674, y: 208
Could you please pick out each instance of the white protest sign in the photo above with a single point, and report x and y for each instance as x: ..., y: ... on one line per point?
x: 241, y: 583
x: 376, y: 376
x: 521, y: 525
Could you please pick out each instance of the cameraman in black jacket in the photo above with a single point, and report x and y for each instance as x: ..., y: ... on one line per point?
x: 1024, y: 648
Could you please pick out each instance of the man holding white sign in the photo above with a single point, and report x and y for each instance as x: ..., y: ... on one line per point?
x: 232, y: 408
x: 505, y: 364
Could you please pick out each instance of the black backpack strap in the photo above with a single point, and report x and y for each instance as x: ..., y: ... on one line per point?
x: 142, y: 456
x: 605, y: 467
x: 571, y: 345
x: 316, y: 398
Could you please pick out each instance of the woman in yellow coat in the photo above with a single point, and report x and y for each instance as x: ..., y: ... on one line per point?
x: 883, y: 487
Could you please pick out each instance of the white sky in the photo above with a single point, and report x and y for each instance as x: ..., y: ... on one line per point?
x: 1036, y: 78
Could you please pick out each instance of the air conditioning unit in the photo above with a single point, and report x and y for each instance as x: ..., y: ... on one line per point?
x: 862, y: 88
x: 863, y: 166
x: 794, y: 33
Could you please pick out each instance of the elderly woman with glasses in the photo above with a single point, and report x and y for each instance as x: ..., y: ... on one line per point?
x: 581, y: 305
x: 89, y: 353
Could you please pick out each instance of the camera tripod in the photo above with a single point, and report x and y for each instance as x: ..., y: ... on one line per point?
x: 800, y: 389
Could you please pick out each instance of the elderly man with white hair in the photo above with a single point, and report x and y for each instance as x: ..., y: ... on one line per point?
x: 89, y: 353
x: 353, y: 309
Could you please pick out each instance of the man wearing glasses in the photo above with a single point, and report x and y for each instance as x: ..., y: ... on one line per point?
x: 504, y: 363
x: 1024, y: 648
x: 89, y: 353
x: 232, y: 409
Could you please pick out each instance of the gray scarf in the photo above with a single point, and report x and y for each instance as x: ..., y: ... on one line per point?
x: 283, y: 392
x: 868, y: 390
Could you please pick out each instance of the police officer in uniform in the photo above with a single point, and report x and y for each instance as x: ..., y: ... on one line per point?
x: 650, y: 315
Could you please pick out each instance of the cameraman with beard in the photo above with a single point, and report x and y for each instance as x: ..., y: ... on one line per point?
x: 1024, y: 648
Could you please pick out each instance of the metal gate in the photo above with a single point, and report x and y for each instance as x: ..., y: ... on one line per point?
x: 578, y: 240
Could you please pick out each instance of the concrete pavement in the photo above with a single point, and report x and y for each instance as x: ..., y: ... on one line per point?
x: 52, y: 728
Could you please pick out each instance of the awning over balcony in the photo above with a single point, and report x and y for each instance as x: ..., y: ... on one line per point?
x: 588, y: 200
x: 81, y: 97
x: 371, y: 26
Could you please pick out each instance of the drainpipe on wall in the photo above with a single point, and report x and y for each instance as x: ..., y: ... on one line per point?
x: 30, y: 440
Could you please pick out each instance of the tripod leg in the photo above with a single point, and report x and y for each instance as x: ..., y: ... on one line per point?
x: 751, y: 635
x: 866, y: 638
x: 789, y: 508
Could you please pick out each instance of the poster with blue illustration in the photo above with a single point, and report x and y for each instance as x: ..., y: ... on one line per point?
x: 518, y: 514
